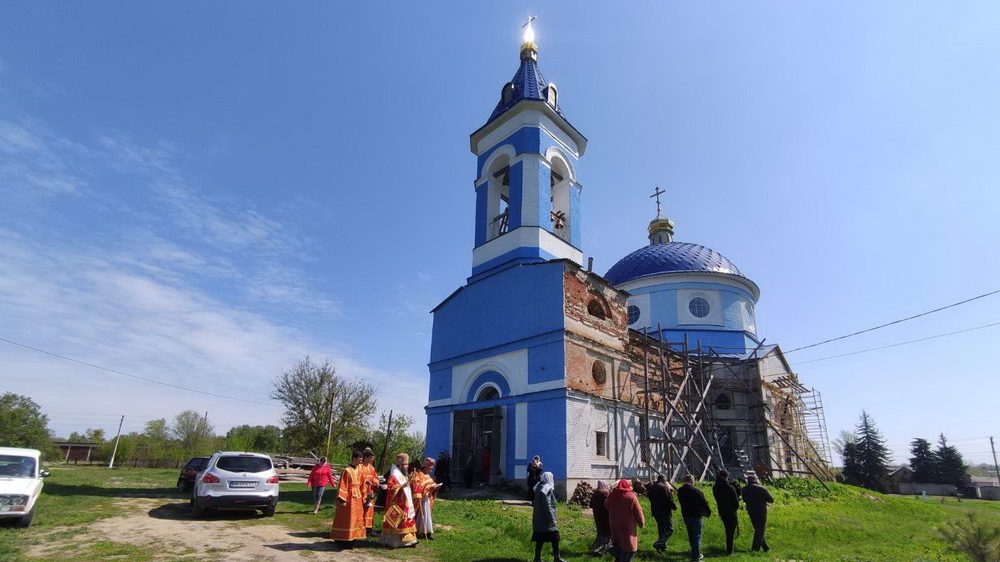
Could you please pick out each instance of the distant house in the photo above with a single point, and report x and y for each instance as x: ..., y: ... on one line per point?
x: 76, y: 451
x: 901, y: 475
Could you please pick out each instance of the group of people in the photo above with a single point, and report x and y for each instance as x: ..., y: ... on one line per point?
x: 409, y: 492
x: 618, y: 514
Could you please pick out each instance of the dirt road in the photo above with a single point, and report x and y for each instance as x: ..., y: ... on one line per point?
x: 166, y: 527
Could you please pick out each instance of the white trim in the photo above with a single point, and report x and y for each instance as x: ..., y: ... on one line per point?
x: 525, y: 236
x: 693, y: 277
x: 528, y: 113
x: 521, y: 430
x: 554, y: 152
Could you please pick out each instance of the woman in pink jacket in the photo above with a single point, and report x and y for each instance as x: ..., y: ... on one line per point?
x: 319, y: 478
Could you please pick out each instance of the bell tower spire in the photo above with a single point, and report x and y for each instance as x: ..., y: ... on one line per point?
x: 527, y: 192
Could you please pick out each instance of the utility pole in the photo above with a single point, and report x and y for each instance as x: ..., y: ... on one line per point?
x: 111, y: 463
x: 995, y: 466
x: 329, y: 428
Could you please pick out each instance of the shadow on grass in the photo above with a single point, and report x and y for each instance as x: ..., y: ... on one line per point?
x: 55, y: 489
x: 324, y: 545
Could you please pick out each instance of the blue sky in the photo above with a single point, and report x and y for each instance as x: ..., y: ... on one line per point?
x: 204, y: 193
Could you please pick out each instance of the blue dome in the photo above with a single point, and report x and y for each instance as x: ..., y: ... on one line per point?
x: 674, y: 257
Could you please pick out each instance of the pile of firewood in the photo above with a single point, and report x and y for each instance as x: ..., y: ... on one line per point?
x: 581, y: 496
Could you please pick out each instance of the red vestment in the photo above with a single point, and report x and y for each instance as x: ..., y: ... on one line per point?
x: 369, y: 488
x: 348, y: 521
x: 398, y: 525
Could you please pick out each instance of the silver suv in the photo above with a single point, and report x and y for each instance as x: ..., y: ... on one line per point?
x: 234, y: 480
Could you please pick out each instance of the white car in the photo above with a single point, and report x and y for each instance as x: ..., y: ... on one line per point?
x: 234, y: 480
x: 20, y: 484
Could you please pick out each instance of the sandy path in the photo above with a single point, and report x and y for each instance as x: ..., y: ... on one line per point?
x: 167, y: 527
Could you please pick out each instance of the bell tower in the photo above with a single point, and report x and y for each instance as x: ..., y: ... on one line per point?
x: 527, y: 193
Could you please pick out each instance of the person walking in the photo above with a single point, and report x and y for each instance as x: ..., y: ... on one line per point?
x: 543, y: 517
x: 399, y: 527
x: 661, y: 503
x: 601, y: 522
x: 756, y: 498
x: 625, y: 515
x: 534, y: 475
x: 320, y: 476
x: 727, y: 501
x: 693, y: 508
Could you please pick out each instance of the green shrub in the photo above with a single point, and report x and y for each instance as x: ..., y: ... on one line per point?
x: 980, y: 540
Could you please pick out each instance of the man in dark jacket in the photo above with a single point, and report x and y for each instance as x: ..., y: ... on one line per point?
x: 661, y: 502
x: 727, y: 499
x: 756, y: 498
x: 693, y: 508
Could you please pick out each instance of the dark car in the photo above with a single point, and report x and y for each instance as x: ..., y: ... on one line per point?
x: 185, y: 482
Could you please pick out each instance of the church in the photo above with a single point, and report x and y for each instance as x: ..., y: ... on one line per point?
x: 654, y: 367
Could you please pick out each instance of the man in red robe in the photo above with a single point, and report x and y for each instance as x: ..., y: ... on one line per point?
x: 371, y: 484
x: 398, y: 525
x: 348, y: 522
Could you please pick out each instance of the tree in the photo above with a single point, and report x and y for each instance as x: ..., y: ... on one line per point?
x: 94, y: 435
x: 154, y: 442
x: 260, y: 438
x: 401, y: 440
x: 193, y: 431
x: 310, y: 393
x: 866, y: 461
x: 22, y: 424
x: 923, y: 461
x: 951, y: 467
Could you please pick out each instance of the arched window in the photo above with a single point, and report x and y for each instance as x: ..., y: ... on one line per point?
x: 723, y: 401
x: 596, y: 308
x: 560, y: 184
x: 487, y: 393
x: 498, y: 200
x: 599, y: 372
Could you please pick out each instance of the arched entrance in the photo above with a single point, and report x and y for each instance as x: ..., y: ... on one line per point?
x: 477, y: 432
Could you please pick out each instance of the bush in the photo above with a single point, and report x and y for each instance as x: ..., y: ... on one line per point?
x: 979, y: 540
x: 800, y: 487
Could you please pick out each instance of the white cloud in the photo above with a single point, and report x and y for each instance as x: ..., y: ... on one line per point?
x: 179, y: 292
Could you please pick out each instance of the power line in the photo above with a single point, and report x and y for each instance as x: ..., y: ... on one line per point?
x: 899, y: 343
x: 137, y: 377
x: 872, y: 329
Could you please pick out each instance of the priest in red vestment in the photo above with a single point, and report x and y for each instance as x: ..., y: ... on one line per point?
x: 371, y: 484
x: 349, y: 522
x: 398, y: 525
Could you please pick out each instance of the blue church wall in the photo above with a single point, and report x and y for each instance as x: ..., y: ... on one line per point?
x: 482, y: 201
x: 663, y: 304
x: 576, y: 229
x: 526, y: 140
x: 545, y: 362
x: 440, y: 383
x: 438, y: 433
x: 544, y: 194
x: 547, y: 434
x: 522, y: 255
x: 514, y: 304
x: 515, y: 178
x: 722, y: 341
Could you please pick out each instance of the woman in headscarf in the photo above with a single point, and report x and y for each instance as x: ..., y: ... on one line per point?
x: 398, y: 525
x: 625, y: 515
x: 597, y: 499
x: 534, y: 475
x: 543, y: 517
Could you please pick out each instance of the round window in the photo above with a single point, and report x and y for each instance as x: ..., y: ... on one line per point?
x: 699, y: 307
x: 633, y: 314
x: 599, y: 372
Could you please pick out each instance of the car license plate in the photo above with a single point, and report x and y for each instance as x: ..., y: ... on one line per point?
x: 242, y: 484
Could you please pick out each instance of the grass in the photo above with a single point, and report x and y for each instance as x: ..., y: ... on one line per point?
x: 846, y: 524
